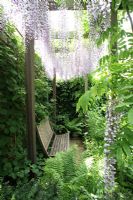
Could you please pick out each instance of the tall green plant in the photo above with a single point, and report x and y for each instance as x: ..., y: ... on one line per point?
x: 12, y: 102
x: 114, y: 78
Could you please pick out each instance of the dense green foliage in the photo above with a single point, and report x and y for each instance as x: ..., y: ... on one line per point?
x: 114, y: 78
x: 68, y: 94
x: 42, y: 90
x: 12, y: 102
x: 65, y: 177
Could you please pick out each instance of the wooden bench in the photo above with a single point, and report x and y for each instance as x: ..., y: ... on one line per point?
x: 51, y: 142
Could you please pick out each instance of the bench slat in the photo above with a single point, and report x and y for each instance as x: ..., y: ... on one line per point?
x: 61, y: 143
x: 46, y: 135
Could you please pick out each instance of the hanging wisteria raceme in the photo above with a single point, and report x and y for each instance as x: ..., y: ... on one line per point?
x: 2, y: 18
x: 34, y: 17
x: 112, y: 128
x: 43, y: 21
x: 99, y: 12
x: 80, y: 60
x: 29, y: 16
x: 73, y: 58
x: 63, y: 34
x: 46, y: 38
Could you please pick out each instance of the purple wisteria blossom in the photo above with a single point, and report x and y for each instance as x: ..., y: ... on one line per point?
x: 112, y: 127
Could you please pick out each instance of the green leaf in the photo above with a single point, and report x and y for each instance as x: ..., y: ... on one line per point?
x: 130, y: 116
x: 129, y: 134
x: 83, y: 102
x: 126, y: 149
x: 119, y: 155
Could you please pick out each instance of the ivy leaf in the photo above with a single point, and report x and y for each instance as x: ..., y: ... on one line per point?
x: 130, y: 116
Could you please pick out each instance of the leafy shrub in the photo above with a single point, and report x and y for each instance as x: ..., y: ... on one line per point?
x: 96, y: 124
x: 12, y: 102
x: 68, y: 93
x: 12, y: 99
x: 75, y: 126
x: 67, y: 177
x: 42, y: 91
x: 20, y: 185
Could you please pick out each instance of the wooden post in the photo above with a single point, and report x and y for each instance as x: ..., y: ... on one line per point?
x: 54, y: 94
x: 30, y: 100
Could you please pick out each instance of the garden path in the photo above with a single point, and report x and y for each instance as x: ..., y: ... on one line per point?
x: 79, y: 143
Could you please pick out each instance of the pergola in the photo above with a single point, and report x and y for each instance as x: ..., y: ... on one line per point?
x: 30, y: 90
x: 29, y: 74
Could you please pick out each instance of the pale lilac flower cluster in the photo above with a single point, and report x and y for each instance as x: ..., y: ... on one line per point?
x: 2, y: 18
x: 43, y: 28
x: 112, y: 127
x: 99, y: 16
x: 34, y: 16
x: 34, y: 23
